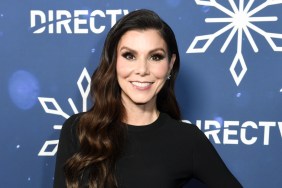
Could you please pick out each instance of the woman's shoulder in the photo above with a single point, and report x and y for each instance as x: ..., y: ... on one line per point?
x: 179, y: 125
x: 184, y: 130
x: 185, y: 135
x: 72, y: 120
x: 68, y: 135
x: 70, y: 125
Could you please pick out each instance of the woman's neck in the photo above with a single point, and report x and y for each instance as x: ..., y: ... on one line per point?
x: 141, y: 115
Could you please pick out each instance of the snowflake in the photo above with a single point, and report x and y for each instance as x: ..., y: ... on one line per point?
x: 240, y: 20
x: 57, y: 110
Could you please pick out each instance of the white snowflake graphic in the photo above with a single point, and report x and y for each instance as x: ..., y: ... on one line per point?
x: 57, y: 110
x: 240, y: 19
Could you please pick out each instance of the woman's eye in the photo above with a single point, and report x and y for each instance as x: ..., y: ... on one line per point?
x: 157, y: 57
x: 128, y: 56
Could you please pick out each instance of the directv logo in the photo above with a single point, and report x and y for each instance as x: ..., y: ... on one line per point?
x: 76, y: 22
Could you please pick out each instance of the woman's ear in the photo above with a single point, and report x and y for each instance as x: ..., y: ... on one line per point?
x: 171, y: 63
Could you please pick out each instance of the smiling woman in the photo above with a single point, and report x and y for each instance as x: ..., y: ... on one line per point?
x: 143, y: 66
x: 133, y: 136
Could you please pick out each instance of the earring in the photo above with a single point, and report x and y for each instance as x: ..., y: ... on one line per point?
x: 168, y: 77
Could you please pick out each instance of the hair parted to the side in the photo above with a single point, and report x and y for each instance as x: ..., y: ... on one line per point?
x: 101, y: 132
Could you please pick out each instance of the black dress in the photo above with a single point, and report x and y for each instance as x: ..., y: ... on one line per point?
x: 164, y: 154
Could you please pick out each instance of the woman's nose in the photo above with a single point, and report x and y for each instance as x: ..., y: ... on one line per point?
x: 142, y: 67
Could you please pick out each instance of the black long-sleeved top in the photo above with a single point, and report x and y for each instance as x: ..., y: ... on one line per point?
x: 164, y: 154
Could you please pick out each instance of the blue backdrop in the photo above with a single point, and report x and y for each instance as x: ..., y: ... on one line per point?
x: 230, y: 82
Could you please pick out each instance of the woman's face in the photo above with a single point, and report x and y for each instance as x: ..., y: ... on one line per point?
x: 142, y: 66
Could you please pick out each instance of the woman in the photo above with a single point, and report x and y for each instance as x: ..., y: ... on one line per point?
x: 132, y: 136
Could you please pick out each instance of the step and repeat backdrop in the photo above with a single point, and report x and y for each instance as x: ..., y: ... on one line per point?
x: 229, y: 85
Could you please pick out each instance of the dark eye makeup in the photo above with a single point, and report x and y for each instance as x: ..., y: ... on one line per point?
x: 128, y: 55
x: 157, y: 57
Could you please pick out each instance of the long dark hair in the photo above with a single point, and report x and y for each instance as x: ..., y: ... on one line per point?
x: 101, y: 132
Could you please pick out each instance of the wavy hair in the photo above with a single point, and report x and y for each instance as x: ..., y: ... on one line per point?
x: 101, y: 133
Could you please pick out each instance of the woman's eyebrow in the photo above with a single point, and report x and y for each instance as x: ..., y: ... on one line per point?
x: 157, y: 49
x: 128, y: 49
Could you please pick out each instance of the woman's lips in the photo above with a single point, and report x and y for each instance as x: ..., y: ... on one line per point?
x: 141, y: 85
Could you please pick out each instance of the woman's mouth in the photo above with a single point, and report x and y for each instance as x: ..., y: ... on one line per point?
x: 142, y: 85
